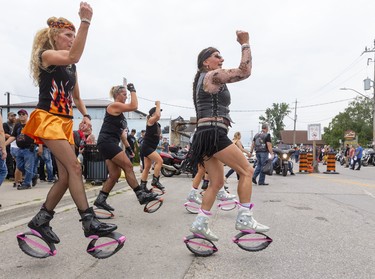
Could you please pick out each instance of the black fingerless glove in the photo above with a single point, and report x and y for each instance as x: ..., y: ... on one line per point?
x: 129, y: 150
x: 131, y: 87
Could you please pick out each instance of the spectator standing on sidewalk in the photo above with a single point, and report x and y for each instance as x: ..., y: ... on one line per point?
x: 8, y: 129
x: 3, y: 152
x: 131, y: 140
x: 26, y: 155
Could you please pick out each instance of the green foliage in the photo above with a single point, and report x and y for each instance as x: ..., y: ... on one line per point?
x: 275, y: 118
x: 357, y: 117
x: 136, y: 154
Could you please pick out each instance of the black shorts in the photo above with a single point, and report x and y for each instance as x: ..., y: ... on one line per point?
x: 109, y: 150
x: 147, y: 150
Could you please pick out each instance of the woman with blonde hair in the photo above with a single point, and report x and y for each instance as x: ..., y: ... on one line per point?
x: 237, y: 141
x: 113, y: 127
x: 55, y: 51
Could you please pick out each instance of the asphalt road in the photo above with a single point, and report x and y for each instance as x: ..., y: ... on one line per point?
x: 322, y: 226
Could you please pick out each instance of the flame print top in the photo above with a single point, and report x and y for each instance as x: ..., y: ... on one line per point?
x: 56, y: 90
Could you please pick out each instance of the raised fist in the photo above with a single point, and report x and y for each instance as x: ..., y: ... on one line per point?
x: 131, y: 87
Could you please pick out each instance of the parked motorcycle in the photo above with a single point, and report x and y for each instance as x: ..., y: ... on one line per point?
x: 282, y: 160
x: 176, y: 163
x: 368, y: 158
x: 340, y: 157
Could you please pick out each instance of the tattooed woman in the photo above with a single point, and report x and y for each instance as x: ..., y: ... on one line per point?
x: 55, y: 51
x: 211, y: 145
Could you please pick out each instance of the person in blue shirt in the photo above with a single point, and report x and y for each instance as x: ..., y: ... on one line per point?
x: 358, y: 157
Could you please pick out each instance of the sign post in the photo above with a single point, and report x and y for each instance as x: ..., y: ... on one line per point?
x: 314, y: 134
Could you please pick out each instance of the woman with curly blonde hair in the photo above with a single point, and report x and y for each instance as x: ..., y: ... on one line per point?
x: 55, y: 51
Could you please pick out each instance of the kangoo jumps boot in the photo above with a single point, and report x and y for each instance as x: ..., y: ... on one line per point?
x: 40, y: 223
x: 143, y: 186
x: 101, y: 201
x: 145, y: 197
x: 155, y: 182
x: 92, y: 226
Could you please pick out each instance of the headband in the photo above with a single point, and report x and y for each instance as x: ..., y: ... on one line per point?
x: 206, y: 54
x: 60, y: 24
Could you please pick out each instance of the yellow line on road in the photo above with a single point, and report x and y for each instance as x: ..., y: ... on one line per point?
x: 344, y: 181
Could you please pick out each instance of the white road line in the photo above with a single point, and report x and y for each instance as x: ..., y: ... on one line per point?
x: 368, y: 193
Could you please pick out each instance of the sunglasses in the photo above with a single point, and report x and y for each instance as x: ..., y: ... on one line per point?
x: 218, y: 56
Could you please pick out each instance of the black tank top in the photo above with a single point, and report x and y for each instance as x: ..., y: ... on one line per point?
x: 112, y: 128
x: 56, y: 88
x: 152, y: 136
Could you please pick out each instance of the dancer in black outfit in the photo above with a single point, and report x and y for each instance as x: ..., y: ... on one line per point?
x: 150, y: 143
x: 108, y: 145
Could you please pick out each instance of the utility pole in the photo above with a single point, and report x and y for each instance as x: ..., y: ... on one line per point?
x: 295, y: 121
x: 373, y: 86
x: 8, y: 100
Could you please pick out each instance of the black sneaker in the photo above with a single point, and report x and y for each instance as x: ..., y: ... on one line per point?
x: 144, y: 197
x: 23, y: 187
x: 254, y: 181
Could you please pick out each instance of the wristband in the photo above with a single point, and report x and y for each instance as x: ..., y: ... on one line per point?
x: 245, y: 46
x: 86, y: 20
x: 87, y: 115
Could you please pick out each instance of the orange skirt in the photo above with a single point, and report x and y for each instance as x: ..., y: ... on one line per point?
x: 44, y: 125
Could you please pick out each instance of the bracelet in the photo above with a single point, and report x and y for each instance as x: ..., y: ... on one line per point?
x: 87, y: 115
x: 245, y: 46
x: 86, y: 20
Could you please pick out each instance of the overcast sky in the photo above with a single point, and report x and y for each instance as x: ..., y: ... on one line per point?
x: 302, y: 50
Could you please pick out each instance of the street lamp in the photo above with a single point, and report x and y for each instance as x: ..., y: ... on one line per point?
x: 373, y: 111
x: 344, y: 88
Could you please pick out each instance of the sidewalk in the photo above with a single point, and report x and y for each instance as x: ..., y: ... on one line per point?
x: 11, y: 198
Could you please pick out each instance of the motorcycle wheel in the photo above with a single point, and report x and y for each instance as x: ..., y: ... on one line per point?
x: 365, y: 163
x: 285, y: 171
x: 167, y: 173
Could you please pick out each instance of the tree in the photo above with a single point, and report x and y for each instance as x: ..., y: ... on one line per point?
x: 275, y: 118
x: 357, y: 117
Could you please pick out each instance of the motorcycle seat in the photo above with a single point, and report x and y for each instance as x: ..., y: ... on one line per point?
x: 178, y: 157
